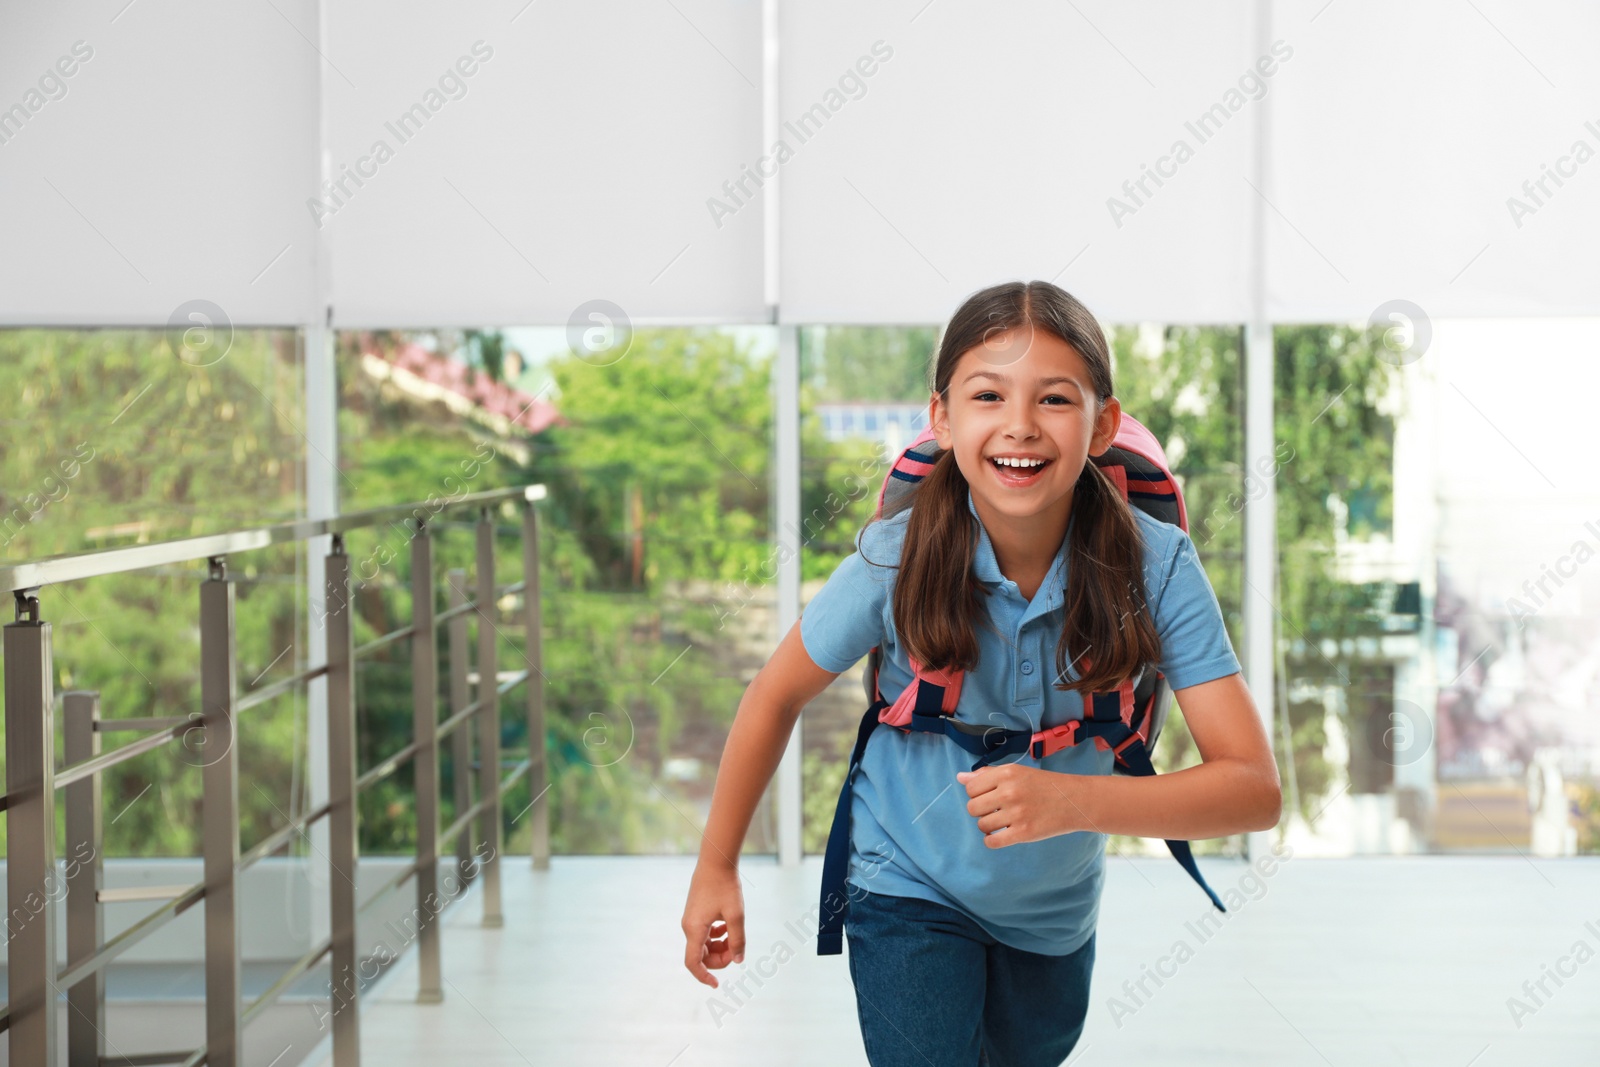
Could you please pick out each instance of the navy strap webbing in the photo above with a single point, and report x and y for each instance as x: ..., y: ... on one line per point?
x: 836, y: 861
x: 1105, y: 721
x: 1137, y: 760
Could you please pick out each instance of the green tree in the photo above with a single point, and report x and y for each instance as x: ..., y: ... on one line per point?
x: 115, y: 440
x: 881, y: 363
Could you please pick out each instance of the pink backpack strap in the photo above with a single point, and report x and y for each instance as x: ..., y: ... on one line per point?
x: 910, y: 467
x: 899, y: 713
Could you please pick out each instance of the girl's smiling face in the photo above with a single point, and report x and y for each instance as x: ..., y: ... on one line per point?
x: 1026, y: 396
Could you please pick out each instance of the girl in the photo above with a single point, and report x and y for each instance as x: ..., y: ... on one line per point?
x: 974, y: 895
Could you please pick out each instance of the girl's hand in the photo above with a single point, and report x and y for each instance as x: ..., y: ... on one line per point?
x: 713, y: 921
x: 1016, y: 803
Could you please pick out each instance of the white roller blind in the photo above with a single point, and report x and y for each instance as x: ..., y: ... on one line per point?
x: 1400, y: 135
x: 171, y: 165
x: 1438, y: 152
x: 990, y: 146
x: 573, y: 163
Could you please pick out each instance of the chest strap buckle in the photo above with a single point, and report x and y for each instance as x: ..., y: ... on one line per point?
x: 1054, y: 739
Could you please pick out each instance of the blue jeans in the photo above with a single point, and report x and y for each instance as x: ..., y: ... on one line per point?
x: 933, y: 989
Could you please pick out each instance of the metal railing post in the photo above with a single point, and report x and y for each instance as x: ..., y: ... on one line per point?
x: 220, y: 815
x: 461, y: 737
x: 30, y: 836
x: 538, y: 767
x: 425, y: 724
x: 86, y: 1001
x: 488, y: 717
x: 342, y: 813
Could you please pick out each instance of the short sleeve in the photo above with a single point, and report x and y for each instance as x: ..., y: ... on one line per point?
x: 1194, y: 640
x: 845, y: 619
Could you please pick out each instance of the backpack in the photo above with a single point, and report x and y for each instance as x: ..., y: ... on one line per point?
x: 1127, y: 720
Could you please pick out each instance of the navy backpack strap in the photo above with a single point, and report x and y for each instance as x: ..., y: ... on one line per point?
x: 1103, y: 719
x: 836, y: 861
x: 987, y: 743
x: 1137, y: 759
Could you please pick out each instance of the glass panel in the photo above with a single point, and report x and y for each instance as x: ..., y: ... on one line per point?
x: 1341, y: 643
x: 1435, y: 522
x: 125, y: 437
x: 841, y: 474
x: 1185, y: 385
x: 657, y: 552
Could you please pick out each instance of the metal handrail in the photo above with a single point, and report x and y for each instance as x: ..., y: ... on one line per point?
x: 32, y: 780
x: 463, y: 821
x: 167, y: 730
x: 111, y: 726
x: 516, y: 772
x: 155, y: 1059
x: 442, y: 616
x: 51, y: 570
x: 278, y: 688
x: 382, y: 770
x: 444, y: 728
x: 450, y: 613
x: 466, y: 817
x: 138, y: 894
x: 76, y: 972
x: 282, y: 836
x: 387, y: 639
x: 79, y: 771
x: 394, y: 882
x: 275, y: 990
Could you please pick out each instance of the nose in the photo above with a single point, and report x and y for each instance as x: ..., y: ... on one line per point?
x: 1021, y: 419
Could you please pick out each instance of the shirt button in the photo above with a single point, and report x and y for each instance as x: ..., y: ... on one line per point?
x: 1027, y: 666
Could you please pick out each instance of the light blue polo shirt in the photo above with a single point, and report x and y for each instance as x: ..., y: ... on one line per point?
x: 910, y: 834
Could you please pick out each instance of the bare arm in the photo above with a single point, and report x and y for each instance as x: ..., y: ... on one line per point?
x: 713, y: 917
x: 1235, y: 789
x: 760, y: 732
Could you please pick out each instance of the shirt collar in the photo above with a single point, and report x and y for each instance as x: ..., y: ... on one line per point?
x: 984, y: 563
x: 987, y: 567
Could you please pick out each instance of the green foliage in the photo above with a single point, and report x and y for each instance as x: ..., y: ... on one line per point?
x: 821, y: 778
x: 668, y: 445
x: 109, y: 426
x: 882, y: 363
x: 115, y: 441
x: 1331, y: 388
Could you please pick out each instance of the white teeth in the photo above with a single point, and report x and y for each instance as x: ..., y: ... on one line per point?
x: 1018, y: 462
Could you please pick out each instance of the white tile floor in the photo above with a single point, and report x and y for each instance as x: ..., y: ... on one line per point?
x: 1406, y: 961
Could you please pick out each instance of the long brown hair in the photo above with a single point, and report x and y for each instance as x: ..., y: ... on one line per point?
x: 1107, y: 632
